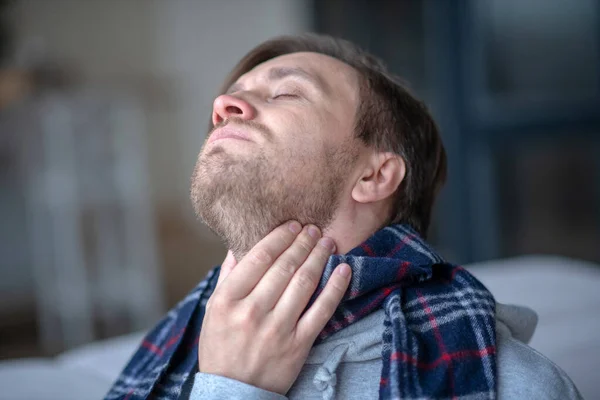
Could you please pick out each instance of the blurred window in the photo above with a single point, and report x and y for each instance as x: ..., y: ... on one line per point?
x: 392, y: 30
x: 539, y: 50
x: 549, y: 196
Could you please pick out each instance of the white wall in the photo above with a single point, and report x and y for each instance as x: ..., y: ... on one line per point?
x: 176, y: 52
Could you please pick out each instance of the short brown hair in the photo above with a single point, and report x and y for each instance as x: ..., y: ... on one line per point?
x: 388, y: 118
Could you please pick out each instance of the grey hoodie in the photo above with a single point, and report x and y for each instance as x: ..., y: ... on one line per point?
x: 348, y: 364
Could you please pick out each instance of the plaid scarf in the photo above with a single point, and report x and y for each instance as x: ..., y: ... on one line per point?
x: 439, y: 336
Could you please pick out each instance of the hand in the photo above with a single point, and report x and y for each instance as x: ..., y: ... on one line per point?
x: 253, y: 330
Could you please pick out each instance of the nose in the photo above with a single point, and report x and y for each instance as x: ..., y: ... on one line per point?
x: 226, y: 106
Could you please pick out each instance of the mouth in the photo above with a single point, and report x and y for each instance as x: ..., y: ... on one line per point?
x: 229, y: 133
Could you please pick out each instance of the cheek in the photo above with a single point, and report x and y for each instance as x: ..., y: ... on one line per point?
x: 299, y: 133
x: 301, y: 123
x: 334, y: 125
x: 304, y: 138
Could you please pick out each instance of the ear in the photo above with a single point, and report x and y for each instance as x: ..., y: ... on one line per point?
x: 382, y: 175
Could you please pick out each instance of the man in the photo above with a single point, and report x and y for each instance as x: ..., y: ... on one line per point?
x: 319, y: 173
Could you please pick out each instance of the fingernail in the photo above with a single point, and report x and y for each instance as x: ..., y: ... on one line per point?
x: 314, y: 231
x: 344, y: 270
x: 327, y: 243
x: 295, y: 227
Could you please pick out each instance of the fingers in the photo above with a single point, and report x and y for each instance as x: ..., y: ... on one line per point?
x: 268, y: 291
x: 226, y: 267
x: 305, y: 281
x: 317, y: 316
x: 249, y: 271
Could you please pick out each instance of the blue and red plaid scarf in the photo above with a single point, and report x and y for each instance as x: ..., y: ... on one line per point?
x: 439, y: 336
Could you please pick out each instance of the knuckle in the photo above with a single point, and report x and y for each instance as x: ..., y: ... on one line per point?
x: 261, y: 256
x: 325, y: 308
x: 272, y: 333
x: 248, y: 315
x: 306, y: 280
x: 214, y: 302
x: 286, y: 268
x: 305, y: 245
x: 339, y: 286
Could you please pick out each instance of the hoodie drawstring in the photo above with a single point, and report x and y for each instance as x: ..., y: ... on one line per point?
x: 325, y: 378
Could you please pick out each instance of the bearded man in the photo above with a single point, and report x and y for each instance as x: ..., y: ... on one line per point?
x: 320, y: 173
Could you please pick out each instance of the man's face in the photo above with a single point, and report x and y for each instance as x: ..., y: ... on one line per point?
x: 282, y: 148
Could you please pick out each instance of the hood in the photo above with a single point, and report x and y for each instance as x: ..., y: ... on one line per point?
x: 517, y: 321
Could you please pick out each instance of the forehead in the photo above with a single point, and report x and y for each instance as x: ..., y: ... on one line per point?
x: 333, y: 74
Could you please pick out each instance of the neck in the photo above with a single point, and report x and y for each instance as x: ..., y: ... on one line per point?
x: 354, y: 225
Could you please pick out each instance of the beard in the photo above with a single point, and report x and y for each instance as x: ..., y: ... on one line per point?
x: 243, y: 198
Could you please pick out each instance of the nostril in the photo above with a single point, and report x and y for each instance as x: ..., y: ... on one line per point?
x: 233, y: 110
x: 217, y: 118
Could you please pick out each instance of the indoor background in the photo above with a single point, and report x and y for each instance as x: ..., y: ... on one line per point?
x: 104, y: 107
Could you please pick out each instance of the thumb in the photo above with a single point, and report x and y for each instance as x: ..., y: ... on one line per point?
x: 226, y: 267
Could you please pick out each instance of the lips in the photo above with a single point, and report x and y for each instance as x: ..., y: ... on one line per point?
x: 228, y: 133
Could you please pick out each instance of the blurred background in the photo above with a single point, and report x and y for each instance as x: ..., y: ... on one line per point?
x: 103, y: 109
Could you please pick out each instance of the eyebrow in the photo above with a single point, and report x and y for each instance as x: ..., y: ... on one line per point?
x: 279, y: 73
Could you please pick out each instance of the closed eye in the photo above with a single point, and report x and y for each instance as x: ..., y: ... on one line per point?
x: 286, y: 95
